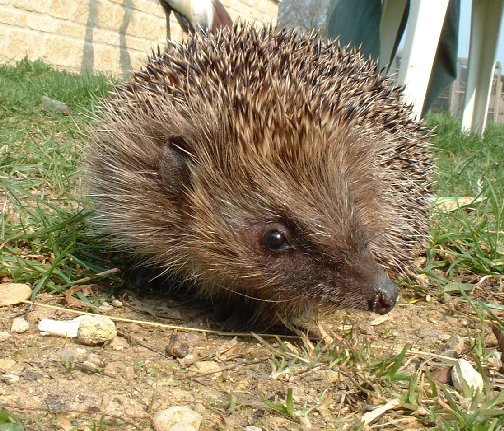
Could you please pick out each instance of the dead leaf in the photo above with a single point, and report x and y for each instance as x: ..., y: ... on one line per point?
x: 379, y: 320
x: 63, y: 422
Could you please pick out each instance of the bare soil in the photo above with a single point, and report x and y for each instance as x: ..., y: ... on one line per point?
x: 63, y: 385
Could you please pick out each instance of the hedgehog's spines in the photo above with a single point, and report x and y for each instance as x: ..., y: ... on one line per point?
x: 282, y: 128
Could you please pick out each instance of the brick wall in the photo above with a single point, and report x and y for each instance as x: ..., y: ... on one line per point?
x: 112, y: 36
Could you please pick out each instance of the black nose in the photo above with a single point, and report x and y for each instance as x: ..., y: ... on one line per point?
x: 385, y: 296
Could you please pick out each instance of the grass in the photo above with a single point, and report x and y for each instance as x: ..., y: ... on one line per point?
x: 469, y: 240
x: 45, y: 241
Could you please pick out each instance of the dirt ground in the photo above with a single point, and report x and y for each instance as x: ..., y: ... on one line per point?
x: 54, y: 383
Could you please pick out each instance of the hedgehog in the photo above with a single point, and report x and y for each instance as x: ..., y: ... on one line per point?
x: 276, y: 174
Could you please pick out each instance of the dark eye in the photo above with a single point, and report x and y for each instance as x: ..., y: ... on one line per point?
x: 274, y: 240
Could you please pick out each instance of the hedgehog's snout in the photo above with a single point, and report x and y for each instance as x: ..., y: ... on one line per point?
x: 385, y: 296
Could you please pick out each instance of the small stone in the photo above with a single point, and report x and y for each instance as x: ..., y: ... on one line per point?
x: 490, y: 340
x: 177, y: 346
x: 446, y: 298
x: 207, y: 367
x: 112, y: 369
x: 56, y: 403
x: 10, y: 379
x: 119, y: 343
x: 32, y: 376
x: 131, y: 327
x: 199, y: 408
x: 95, y: 359
x: 19, y: 325
x: 53, y: 105
x: 95, y: 330
x: 441, y: 375
x: 4, y: 336
x: 252, y: 428
x: 495, y: 359
x: 89, y: 367
x: 129, y: 373
x: 68, y: 354
x: 329, y: 376
x: 6, y: 364
x: 105, y: 306
x: 187, y: 362
x: 116, y: 303
x: 463, y: 374
x: 176, y: 418
x: 172, y: 313
x: 428, y: 333
x: 422, y: 411
x: 454, y: 346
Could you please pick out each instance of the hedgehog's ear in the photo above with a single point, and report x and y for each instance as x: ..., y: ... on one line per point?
x: 174, y: 165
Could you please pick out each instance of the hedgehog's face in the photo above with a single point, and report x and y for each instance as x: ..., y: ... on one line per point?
x: 291, y: 227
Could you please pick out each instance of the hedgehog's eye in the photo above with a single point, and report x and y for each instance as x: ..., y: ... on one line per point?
x: 275, y: 240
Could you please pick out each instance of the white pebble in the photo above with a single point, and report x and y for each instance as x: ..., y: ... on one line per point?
x: 6, y: 364
x: 176, y: 418
x: 463, y: 374
x: 105, y: 307
x: 10, y: 379
x: 19, y: 325
x: 4, y: 336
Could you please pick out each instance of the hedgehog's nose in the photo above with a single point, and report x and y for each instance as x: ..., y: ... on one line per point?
x: 385, y: 296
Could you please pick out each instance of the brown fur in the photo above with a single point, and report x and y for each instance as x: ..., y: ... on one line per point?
x: 220, y: 139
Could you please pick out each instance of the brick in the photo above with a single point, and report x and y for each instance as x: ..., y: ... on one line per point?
x: 21, y: 43
x: 41, y: 6
x: 71, y: 29
x: 150, y: 7
x: 66, y: 9
x: 120, y: 2
x: 110, y: 16
x: 82, y: 13
x: 11, y: 16
x: 63, y: 51
x: 106, y: 58
x: 138, y: 61
x: 140, y: 44
x: 55, y: 29
x: 146, y: 26
x: 106, y: 37
x: 41, y: 22
x: 4, y: 36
